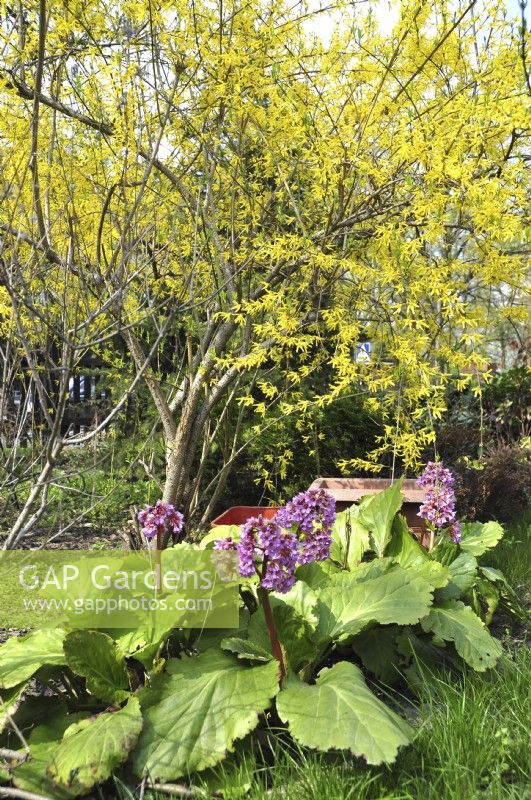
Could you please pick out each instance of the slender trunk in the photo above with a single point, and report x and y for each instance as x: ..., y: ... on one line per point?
x: 23, y: 523
x: 195, y: 482
x: 171, y: 482
x: 180, y: 454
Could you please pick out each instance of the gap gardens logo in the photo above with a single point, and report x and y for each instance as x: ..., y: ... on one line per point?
x: 183, y: 588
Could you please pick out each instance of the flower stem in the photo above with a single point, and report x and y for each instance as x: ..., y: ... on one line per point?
x: 158, y: 548
x: 276, y: 649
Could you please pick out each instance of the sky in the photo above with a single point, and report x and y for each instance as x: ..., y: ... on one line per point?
x: 386, y: 12
x: 514, y: 7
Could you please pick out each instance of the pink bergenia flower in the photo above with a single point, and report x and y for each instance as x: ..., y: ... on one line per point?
x: 160, y: 518
x: 439, y: 508
x: 310, y: 515
x: 299, y: 534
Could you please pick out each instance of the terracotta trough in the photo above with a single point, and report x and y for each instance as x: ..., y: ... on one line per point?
x: 347, y: 491
x: 237, y: 515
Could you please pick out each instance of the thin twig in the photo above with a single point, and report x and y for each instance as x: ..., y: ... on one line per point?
x: 433, y: 51
x: 13, y: 755
x: 142, y: 788
x: 15, y: 727
x: 177, y: 790
x: 43, y: 26
x: 7, y: 791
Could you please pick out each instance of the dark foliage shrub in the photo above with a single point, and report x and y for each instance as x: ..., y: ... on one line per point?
x: 345, y: 429
x: 500, y: 490
x: 456, y: 441
x: 507, y: 404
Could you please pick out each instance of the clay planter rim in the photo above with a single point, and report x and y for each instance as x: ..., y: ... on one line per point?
x: 347, y: 491
x: 243, y: 513
x: 352, y: 489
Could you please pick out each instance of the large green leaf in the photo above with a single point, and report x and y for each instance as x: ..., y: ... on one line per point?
x: 246, y: 649
x: 301, y: 599
x: 96, y: 657
x: 31, y: 775
x: 403, y: 546
x: 21, y: 656
x: 406, y: 551
x: 457, y: 623
x: 462, y: 572
x: 339, y: 712
x: 318, y: 574
x: 477, y: 537
x: 194, y: 714
x: 143, y: 643
x: 377, y: 515
x: 433, y: 572
x: 10, y: 701
x: 494, y: 575
x: 377, y: 649
x: 350, y: 539
x: 349, y: 605
x: 93, y: 748
x: 371, y: 569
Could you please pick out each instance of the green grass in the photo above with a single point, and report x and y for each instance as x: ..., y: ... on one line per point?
x: 513, y: 556
x: 473, y: 743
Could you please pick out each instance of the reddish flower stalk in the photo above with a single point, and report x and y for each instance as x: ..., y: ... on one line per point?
x: 300, y: 533
x: 276, y: 648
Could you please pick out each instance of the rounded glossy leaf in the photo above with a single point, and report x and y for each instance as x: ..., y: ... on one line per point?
x: 21, y: 657
x: 96, y: 657
x: 457, y: 623
x: 340, y: 713
x: 195, y: 712
x: 93, y: 748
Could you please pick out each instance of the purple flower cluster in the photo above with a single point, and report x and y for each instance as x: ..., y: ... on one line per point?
x: 225, y: 544
x: 300, y: 533
x: 455, y: 532
x: 439, y: 508
x: 263, y: 541
x: 159, y: 518
x: 312, y: 515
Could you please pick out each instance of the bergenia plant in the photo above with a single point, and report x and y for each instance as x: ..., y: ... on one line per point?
x: 439, y: 508
x: 153, y: 697
x: 300, y: 533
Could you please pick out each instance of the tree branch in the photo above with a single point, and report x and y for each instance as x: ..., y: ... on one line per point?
x: 43, y: 24
x: 105, y: 128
